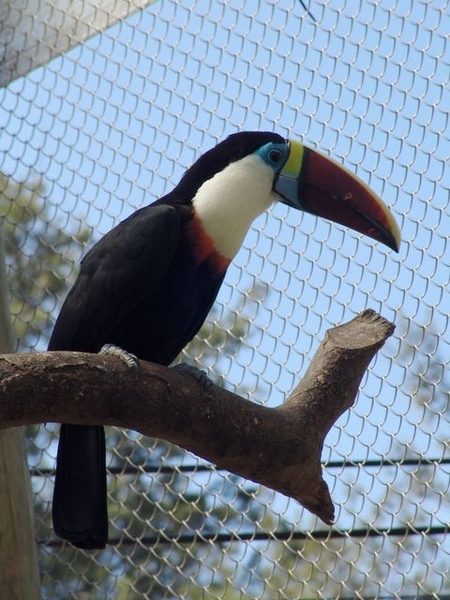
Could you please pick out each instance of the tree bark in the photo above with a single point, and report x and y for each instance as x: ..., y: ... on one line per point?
x: 278, y: 447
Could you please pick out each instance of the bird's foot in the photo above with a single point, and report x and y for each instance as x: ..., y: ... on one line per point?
x: 198, y: 374
x: 129, y: 359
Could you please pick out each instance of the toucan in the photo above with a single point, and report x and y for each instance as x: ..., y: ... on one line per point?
x: 148, y: 285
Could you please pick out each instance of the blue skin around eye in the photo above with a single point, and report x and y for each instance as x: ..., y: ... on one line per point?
x: 266, y: 151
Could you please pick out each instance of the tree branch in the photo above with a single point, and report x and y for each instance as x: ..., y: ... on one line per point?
x: 278, y: 447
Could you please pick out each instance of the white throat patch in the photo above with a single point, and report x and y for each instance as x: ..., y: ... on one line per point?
x: 228, y: 203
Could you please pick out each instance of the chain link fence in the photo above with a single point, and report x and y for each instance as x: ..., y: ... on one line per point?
x: 112, y: 124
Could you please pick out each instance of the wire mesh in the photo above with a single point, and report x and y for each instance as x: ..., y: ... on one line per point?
x: 111, y: 125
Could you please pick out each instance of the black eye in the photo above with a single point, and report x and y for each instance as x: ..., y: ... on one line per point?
x: 275, y: 156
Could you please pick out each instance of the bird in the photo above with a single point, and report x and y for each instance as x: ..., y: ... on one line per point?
x: 148, y: 284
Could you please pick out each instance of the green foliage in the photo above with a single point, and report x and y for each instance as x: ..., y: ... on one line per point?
x: 39, y: 258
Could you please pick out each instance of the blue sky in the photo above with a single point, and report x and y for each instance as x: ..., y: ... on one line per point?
x: 114, y: 123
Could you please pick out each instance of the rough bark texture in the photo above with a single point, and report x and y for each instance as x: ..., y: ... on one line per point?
x: 278, y: 447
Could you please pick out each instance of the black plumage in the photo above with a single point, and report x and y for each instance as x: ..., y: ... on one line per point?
x: 146, y: 286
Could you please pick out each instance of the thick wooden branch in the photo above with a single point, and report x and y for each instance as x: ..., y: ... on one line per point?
x: 278, y: 447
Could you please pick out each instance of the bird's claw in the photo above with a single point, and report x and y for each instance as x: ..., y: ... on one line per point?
x: 129, y: 359
x: 198, y: 374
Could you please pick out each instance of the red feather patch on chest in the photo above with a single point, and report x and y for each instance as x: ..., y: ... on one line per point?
x: 202, y: 247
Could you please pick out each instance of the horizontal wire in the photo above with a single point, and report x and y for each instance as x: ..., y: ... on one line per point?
x: 280, y: 536
x: 164, y: 469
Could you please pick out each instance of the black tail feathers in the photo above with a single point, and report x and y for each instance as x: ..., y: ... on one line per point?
x: 79, y: 502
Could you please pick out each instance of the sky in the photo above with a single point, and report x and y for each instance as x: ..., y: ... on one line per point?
x: 113, y: 124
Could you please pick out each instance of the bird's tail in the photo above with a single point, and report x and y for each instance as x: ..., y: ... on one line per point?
x: 79, y: 501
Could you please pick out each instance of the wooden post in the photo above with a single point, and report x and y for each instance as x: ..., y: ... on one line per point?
x: 19, y: 576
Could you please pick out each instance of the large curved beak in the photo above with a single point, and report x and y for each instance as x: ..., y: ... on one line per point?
x: 316, y: 184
